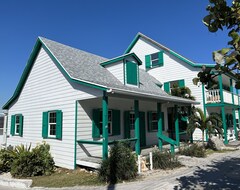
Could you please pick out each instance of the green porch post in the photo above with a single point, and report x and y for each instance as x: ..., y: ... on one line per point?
x: 223, y: 109
x: 136, y: 125
x: 176, y: 124
x: 159, y: 115
x: 233, y: 110
x: 105, y: 126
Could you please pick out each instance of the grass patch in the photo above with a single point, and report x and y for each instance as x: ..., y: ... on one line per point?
x: 193, y: 150
x: 67, y: 178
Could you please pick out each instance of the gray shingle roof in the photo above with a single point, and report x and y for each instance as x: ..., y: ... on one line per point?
x: 85, y: 66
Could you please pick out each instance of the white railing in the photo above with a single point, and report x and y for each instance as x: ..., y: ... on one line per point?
x: 213, y: 96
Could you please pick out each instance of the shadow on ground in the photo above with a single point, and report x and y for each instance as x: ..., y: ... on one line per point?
x: 223, y: 174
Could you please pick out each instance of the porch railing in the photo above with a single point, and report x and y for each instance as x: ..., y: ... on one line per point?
x: 213, y: 96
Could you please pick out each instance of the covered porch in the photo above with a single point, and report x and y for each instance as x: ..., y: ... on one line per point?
x: 115, y: 116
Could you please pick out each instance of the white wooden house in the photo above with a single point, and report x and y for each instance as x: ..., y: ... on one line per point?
x: 80, y: 103
x: 172, y: 68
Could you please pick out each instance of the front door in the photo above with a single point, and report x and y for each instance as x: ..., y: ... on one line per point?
x: 129, y: 128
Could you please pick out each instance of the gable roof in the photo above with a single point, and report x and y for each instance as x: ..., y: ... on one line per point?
x: 184, y: 59
x: 84, y: 68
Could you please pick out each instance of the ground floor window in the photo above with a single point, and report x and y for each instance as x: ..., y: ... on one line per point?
x: 17, y: 125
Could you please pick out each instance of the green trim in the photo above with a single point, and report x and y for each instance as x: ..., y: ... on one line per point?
x: 75, y: 140
x: 220, y: 87
x: 132, y: 75
x: 176, y: 125
x: 167, y: 139
x: 89, y: 142
x: 124, y: 71
x: 120, y: 58
x: 136, y: 124
x: 160, y: 126
x: 122, y: 140
x: 105, y: 125
x: 136, y: 38
x: 224, y: 125
x: 29, y: 66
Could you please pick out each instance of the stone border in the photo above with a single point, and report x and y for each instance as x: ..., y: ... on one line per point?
x: 17, y: 183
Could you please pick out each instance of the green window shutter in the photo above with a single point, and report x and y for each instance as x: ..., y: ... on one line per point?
x: 142, y: 129
x: 96, y: 123
x: 132, y: 74
x: 126, y: 125
x: 59, y: 124
x: 160, y: 58
x: 45, y: 125
x: 149, y: 121
x: 147, y: 61
x: 163, y: 126
x: 12, y: 132
x: 21, y: 125
x: 181, y: 83
x: 116, y: 129
x: 167, y: 87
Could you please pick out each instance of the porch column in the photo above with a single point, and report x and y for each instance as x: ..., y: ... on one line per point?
x: 159, y: 115
x: 233, y: 110
x: 224, y: 125
x: 176, y: 124
x: 204, y: 108
x: 105, y: 126
x: 136, y: 125
x: 5, y: 122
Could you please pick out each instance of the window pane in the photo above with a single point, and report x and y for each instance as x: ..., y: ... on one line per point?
x: 17, y: 128
x: 52, y: 129
x: 154, y: 56
x: 52, y: 117
x: 154, y: 116
x: 155, y: 63
x: 154, y: 125
x: 17, y: 119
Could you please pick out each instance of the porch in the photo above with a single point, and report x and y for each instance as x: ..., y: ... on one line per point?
x: 142, y: 121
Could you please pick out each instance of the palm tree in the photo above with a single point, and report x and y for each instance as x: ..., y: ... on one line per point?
x: 211, y: 123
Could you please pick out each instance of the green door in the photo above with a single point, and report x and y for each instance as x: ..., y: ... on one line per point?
x: 129, y: 125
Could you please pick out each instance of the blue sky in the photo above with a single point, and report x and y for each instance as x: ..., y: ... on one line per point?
x: 103, y: 27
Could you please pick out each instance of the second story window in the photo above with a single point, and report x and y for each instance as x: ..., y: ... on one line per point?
x: 154, y: 60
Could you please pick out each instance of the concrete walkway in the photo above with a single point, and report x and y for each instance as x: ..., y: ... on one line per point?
x: 217, y: 171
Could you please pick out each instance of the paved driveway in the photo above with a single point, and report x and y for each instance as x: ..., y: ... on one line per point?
x: 218, y: 171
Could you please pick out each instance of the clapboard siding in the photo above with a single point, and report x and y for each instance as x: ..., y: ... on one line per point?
x: 117, y: 70
x: 47, y: 89
x: 173, y: 69
x: 85, y: 122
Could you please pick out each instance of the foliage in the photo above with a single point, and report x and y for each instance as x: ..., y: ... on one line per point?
x: 121, y: 164
x: 6, y: 159
x: 164, y: 160
x: 35, y: 162
x: 223, y: 16
x: 211, y: 123
x: 193, y: 150
x: 183, y: 92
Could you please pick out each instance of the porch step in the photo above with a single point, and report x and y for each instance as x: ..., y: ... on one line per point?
x: 91, y: 162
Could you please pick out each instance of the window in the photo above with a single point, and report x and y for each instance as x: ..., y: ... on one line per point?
x: 153, y: 121
x: 109, y: 122
x: 113, y: 123
x: 17, y: 125
x: 52, y: 124
x: 131, y: 73
x: 154, y: 60
x: 173, y: 84
x: 132, y: 120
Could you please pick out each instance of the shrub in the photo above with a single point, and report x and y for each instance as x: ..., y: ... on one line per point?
x: 121, y: 164
x: 6, y: 159
x: 35, y: 162
x: 164, y: 160
x: 193, y: 150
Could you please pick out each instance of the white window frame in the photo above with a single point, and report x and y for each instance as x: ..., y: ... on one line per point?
x: 17, y: 125
x: 132, y: 119
x: 49, y: 124
x: 156, y: 121
x: 152, y: 60
x: 109, y: 122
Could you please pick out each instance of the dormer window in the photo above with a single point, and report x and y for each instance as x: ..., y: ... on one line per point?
x: 154, y: 60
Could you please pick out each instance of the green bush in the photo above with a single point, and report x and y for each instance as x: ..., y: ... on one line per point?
x: 6, y: 159
x: 121, y: 164
x: 193, y: 150
x: 35, y: 162
x: 164, y: 160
